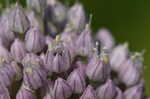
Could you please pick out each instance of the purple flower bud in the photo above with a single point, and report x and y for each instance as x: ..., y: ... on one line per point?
x: 61, y: 89
x: 34, y: 77
x: 18, y: 20
x: 76, y: 17
x: 25, y: 93
x: 69, y: 37
x: 18, y: 50
x: 98, y: 68
x: 4, y: 94
x: 6, y: 35
x: 58, y: 57
x: 106, y: 39
x: 89, y: 93
x: 61, y: 61
x: 36, y: 5
x: 106, y: 91
x: 4, y: 54
x: 35, y: 20
x: 135, y: 92
x: 34, y: 40
x: 84, y: 43
x: 119, y: 95
x: 6, y: 74
x: 77, y: 81
x: 57, y: 12
x: 128, y: 74
x: 32, y: 60
x: 118, y: 56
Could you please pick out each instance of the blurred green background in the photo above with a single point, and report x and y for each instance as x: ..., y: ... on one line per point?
x: 128, y: 20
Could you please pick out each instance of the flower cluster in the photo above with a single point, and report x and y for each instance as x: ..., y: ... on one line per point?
x: 47, y: 51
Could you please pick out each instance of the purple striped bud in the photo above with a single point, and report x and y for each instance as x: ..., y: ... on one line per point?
x: 61, y: 61
x: 61, y: 89
x: 58, y: 57
x: 32, y: 60
x: 34, y: 77
x: 4, y: 54
x: 77, y: 81
x: 106, y: 91
x: 69, y: 37
x: 18, y: 20
x: 84, y: 43
x: 34, y: 40
x: 119, y: 95
x: 6, y: 35
x: 128, y: 74
x: 76, y: 17
x: 89, y: 93
x: 135, y: 92
x: 4, y: 94
x: 25, y: 93
x: 35, y: 20
x: 36, y: 5
x: 57, y: 12
x: 106, y: 39
x: 98, y: 68
x: 6, y: 74
x: 118, y: 56
x: 18, y: 50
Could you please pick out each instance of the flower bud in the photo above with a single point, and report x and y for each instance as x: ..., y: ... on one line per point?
x: 128, y: 73
x: 98, y: 68
x: 105, y: 37
x: 118, y: 56
x: 135, y: 92
x: 84, y: 43
x: 34, y: 40
x: 6, y: 35
x: 76, y: 17
x: 36, y: 5
x: 58, y: 57
x: 32, y: 60
x: 35, y: 20
x: 77, y: 81
x: 25, y: 93
x: 61, y: 89
x: 18, y: 50
x: 89, y: 93
x: 4, y: 94
x: 6, y: 74
x: 69, y: 37
x: 18, y: 20
x: 57, y: 12
x: 106, y: 91
x: 61, y: 61
x: 34, y: 77
x: 119, y: 95
x: 4, y: 54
